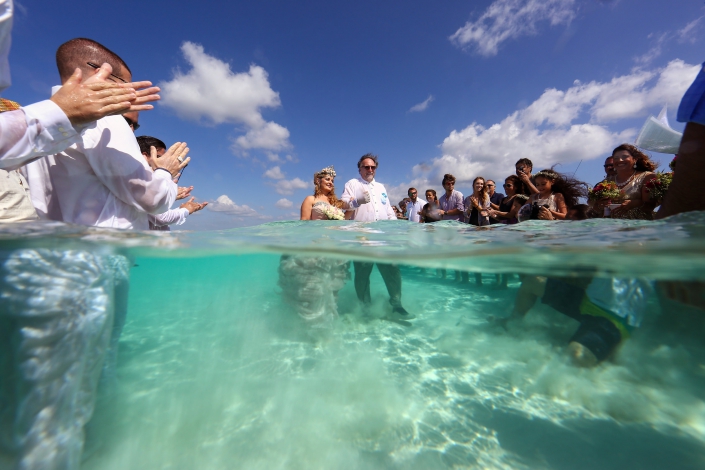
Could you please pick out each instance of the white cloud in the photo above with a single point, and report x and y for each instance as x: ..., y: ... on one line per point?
x: 274, y: 173
x: 287, y: 187
x: 225, y: 204
x: 211, y: 91
x: 656, y: 49
x: 510, y: 19
x: 417, y: 108
x: 687, y: 33
x: 284, y: 203
x: 559, y: 127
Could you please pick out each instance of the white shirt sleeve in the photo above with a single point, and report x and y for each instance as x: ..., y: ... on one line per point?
x: 391, y: 215
x: 348, y: 196
x: 6, y: 10
x: 34, y: 131
x: 116, y: 160
x: 170, y: 217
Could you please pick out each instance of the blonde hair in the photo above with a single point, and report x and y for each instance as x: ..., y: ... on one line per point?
x: 332, y: 198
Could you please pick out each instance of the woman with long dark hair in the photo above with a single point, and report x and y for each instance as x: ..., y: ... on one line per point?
x: 634, y: 169
x: 557, y: 193
x: 506, y: 211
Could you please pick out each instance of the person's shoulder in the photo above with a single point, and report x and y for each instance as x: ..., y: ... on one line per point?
x: 460, y: 195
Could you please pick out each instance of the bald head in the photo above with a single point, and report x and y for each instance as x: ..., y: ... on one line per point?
x: 76, y: 53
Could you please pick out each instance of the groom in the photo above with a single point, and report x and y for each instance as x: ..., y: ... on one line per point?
x: 370, y: 202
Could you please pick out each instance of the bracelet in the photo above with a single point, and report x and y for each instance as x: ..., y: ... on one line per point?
x: 161, y: 168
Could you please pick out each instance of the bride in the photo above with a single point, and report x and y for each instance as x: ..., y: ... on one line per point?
x: 311, y: 284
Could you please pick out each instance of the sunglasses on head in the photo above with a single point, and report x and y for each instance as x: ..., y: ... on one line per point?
x: 95, y: 66
x: 134, y: 125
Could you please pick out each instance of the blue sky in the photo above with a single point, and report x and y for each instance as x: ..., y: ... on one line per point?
x: 268, y: 92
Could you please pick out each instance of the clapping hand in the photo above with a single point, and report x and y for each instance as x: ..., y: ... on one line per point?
x: 174, y: 160
x: 183, y: 192
x: 192, y: 207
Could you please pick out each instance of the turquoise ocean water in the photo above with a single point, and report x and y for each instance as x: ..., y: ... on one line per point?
x: 216, y: 371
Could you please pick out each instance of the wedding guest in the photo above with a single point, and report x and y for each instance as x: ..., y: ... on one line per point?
x: 370, y: 203
x: 524, y: 167
x: 451, y: 203
x: 495, y: 198
x: 477, y: 205
x: 111, y: 185
x: 556, y: 194
x: 633, y: 170
x: 431, y: 211
x: 414, y: 206
x: 610, y: 172
x: 506, y: 212
x: 172, y: 216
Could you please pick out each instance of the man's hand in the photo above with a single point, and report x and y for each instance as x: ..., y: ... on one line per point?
x: 144, y: 91
x: 192, y: 207
x: 183, y: 192
x: 364, y: 198
x: 174, y: 160
x: 87, y: 102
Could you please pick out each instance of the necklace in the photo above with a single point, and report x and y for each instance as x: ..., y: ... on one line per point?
x: 621, y: 185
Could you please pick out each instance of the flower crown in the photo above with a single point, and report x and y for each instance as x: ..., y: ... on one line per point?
x: 550, y: 174
x: 327, y: 171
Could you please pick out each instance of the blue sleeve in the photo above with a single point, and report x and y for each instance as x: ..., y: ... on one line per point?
x: 692, y: 107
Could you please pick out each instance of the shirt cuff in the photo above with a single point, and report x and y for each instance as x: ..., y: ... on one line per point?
x: 51, y: 118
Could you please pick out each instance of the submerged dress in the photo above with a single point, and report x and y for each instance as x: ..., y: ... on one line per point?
x: 632, y: 191
x: 311, y: 284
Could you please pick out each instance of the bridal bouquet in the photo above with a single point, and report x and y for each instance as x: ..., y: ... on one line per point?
x: 333, y: 213
x: 605, y: 190
x: 658, y: 186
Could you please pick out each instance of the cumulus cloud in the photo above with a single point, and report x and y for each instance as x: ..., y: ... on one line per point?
x: 284, y: 203
x: 287, y: 187
x: 510, y: 19
x: 560, y: 126
x: 225, y: 204
x: 417, y: 108
x: 274, y: 173
x: 211, y: 91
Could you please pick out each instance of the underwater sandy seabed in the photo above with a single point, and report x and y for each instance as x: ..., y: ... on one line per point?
x: 216, y: 372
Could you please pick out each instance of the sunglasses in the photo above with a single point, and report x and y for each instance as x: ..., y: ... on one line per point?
x: 490, y: 186
x: 92, y: 65
x: 134, y: 125
x: 609, y: 166
x: 508, y: 185
x: 369, y: 167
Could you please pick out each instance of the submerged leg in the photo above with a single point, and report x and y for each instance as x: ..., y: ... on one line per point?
x: 59, y: 307
x: 532, y: 288
x: 362, y: 281
x: 392, y: 279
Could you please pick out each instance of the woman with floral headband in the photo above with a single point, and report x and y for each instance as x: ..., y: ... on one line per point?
x: 324, y: 204
x: 311, y: 284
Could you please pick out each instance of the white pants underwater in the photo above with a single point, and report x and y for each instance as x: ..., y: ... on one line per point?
x: 56, y: 317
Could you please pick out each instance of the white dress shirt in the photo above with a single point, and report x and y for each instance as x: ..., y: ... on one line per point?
x: 378, y: 208
x: 102, y: 181
x: 413, y: 209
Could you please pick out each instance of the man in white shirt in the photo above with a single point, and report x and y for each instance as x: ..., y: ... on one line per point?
x: 172, y: 216
x: 55, y: 325
x: 414, y: 206
x: 103, y: 180
x: 371, y: 203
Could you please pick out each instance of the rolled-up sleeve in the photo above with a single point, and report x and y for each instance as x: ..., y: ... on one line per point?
x: 32, y: 132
